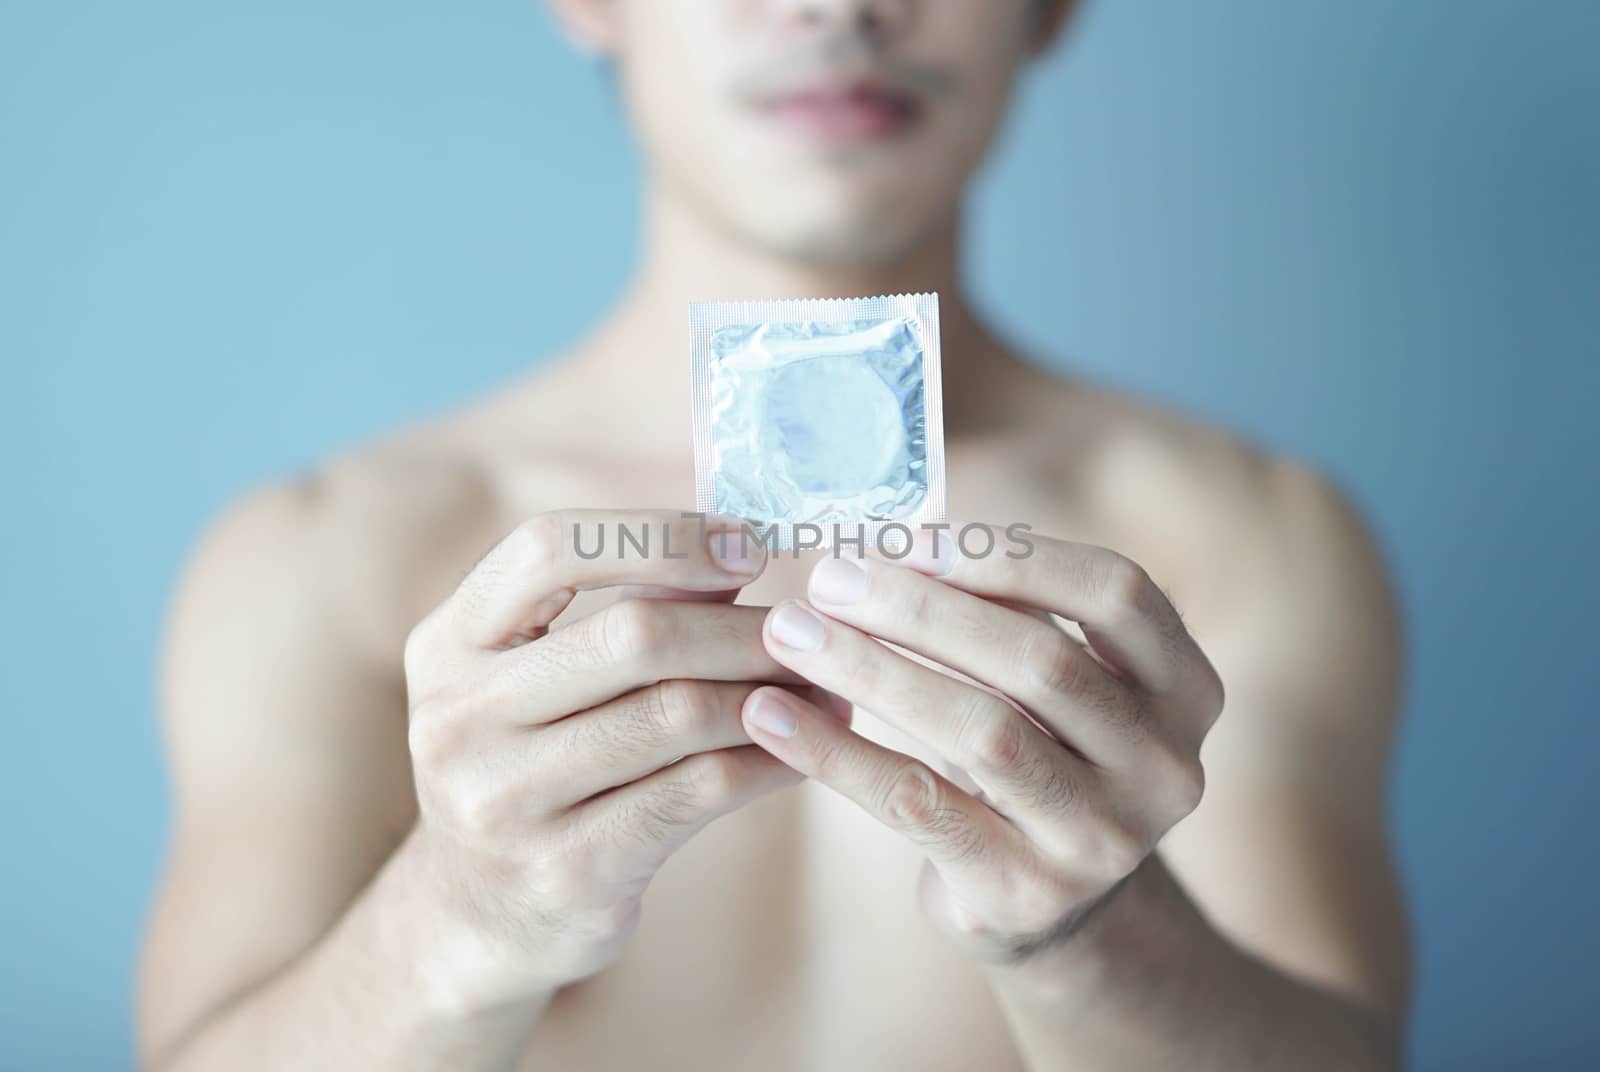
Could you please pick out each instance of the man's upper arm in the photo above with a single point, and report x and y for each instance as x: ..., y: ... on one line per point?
x: 287, y: 758
x: 1288, y: 854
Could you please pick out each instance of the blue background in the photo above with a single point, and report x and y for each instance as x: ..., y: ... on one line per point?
x: 236, y: 237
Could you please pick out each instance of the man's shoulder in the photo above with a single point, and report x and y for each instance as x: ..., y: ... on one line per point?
x: 1232, y: 514
x: 365, y: 542
x: 1266, y: 556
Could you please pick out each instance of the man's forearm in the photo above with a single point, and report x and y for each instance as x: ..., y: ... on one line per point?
x: 1147, y: 983
x: 381, y: 990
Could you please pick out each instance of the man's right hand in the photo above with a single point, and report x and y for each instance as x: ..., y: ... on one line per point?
x: 556, y: 770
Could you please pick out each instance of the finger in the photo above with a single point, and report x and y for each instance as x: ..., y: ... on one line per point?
x: 1028, y: 659
x: 626, y: 646
x: 958, y: 834
x: 661, y: 812
x: 1015, y: 763
x: 530, y: 577
x: 636, y: 735
x: 1123, y: 614
x: 686, y: 595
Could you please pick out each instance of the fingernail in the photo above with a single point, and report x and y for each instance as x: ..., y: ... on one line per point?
x: 771, y: 715
x: 795, y: 627
x: 932, y: 552
x: 839, y: 581
x: 735, y: 552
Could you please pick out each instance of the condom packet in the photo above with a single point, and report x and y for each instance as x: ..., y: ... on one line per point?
x: 819, y: 421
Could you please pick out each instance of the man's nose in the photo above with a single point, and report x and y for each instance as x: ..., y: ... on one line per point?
x: 885, y: 20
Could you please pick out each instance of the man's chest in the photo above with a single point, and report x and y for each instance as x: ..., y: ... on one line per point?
x: 786, y: 936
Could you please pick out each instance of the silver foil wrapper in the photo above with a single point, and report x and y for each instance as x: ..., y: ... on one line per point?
x: 819, y: 412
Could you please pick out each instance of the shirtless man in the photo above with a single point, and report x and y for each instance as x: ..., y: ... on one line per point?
x: 420, y: 827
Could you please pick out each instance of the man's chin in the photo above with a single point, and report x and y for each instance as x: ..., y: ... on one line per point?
x: 847, y: 246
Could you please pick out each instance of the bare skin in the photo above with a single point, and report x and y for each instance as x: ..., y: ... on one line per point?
x: 378, y: 732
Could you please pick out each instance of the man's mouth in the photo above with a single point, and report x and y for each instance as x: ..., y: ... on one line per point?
x: 855, y: 112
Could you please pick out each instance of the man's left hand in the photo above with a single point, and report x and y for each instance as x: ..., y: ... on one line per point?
x: 1083, y: 753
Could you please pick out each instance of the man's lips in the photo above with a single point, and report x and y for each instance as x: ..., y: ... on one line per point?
x: 859, y: 112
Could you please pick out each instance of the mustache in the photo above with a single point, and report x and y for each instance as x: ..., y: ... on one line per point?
x: 838, y: 60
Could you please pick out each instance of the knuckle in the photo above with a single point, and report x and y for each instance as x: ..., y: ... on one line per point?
x: 912, y: 796
x: 1052, y: 788
x: 535, y: 545
x: 1184, y: 777
x: 716, y: 778
x: 419, y: 646
x: 477, y: 701
x: 1192, y: 787
x: 874, y: 675
x: 993, y: 740
x: 1123, y: 711
x: 427, y: 739
x: 831, y: 759
x: 969, y: 927
x: 1051, y: 662
x: 606, y: 922
x: 592, y: 735
x: 436, y: 732
x: 630, y: 629
x: 643, y: 723
x: 481, y: 811
x: 565, y: 880
x: 958, y: 840
x: 1125, y: 587
x: 1217, y: 694
x: 1039, y: 900
x: 679, y: 707
x: 910, y: 595
x: 972, y: 924
x: 1114, y: 851
x: 919, y: 805
x: 670, y: 806
x: 584, y: 646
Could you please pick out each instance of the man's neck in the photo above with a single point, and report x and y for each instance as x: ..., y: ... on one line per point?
x: 638, y: 357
